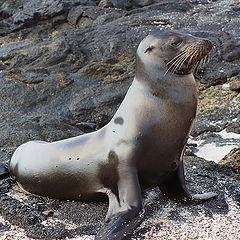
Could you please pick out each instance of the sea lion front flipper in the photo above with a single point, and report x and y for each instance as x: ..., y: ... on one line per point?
x: 126, y: 210
x: 175, y: 188
x: 120, y: 224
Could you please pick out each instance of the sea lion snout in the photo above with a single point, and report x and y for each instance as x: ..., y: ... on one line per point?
x: 198, y: 50
x: 192, y: 52
x: 208, y: 45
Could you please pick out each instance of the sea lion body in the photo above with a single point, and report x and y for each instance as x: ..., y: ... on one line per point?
x: 76, y: 164
x: 140, y: 148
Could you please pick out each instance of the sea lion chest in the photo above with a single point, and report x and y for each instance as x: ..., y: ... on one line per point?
x: 158, y: 126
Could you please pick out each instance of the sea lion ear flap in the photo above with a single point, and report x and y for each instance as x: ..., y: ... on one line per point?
x: 149, y: 49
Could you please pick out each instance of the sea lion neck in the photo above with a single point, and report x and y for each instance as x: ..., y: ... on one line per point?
x: 178, y: 89
x: 148, y: 71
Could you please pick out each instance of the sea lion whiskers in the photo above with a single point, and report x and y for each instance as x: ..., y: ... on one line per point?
x: 197, y: 63
x: 180, y: 63
x: 200, y: 64
x: 192, y: 56
x: 182, y: 52
x: 197, y: 53
x: 203, y: 53
x: 191, y: 51
x: 194, y: 51
x: 189, y: 61
x: 203, y: 61
x: 175, y: 61
x: 210, y: 54
x: 203, y: 47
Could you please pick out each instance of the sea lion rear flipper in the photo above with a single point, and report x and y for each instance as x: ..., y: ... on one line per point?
x: 125, y: 211
x: 175, y: 188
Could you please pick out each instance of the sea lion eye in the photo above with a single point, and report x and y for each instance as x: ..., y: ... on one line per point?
x: 149, y: 49
x: 176, y: 42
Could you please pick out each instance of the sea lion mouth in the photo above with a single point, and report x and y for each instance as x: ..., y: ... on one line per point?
x: 196, y: 54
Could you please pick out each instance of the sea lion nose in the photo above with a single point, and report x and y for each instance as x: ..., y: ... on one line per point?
x: 208, y: 45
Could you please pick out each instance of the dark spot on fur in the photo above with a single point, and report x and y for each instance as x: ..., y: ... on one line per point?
x: 70, y: 159
x: 77, y: 158
x: 119, y: 120
x: 108, y: 173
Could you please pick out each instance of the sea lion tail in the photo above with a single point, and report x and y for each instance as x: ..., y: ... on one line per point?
x: 4, y: 173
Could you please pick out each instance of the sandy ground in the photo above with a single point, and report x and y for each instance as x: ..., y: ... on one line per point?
x: 218, y: 227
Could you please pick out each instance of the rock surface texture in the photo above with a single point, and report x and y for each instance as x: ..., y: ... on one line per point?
x: 65, y: 66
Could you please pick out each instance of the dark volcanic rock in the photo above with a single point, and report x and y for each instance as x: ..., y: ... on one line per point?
x: 65, y: 65
x: 125, y: 4
x: 231, y: 50
x: 77, y: 67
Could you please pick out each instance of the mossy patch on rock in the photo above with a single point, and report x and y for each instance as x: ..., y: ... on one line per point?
x: 112, y: 70
x: 216, y: 98
x: 233, y: 159
x: 235, y: 83
x: 218, y: 108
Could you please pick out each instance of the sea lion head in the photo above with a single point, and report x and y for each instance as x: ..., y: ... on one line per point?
x: 173, y: 52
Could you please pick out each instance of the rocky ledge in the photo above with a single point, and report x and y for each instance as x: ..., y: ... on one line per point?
x: 65, y: 65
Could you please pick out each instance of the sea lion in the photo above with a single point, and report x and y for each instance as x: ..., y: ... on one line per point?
x: 140, y: 148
